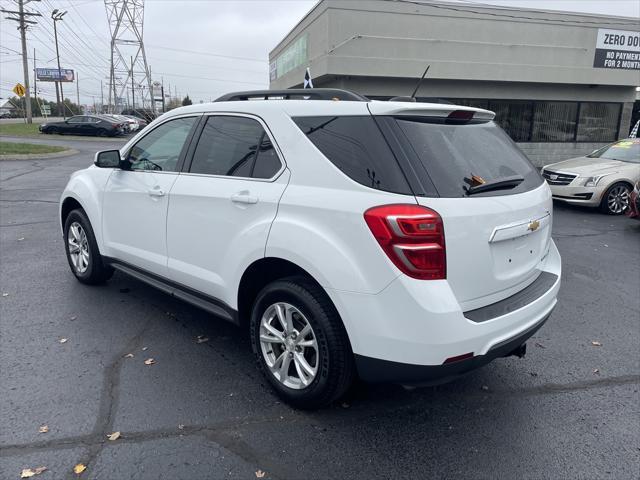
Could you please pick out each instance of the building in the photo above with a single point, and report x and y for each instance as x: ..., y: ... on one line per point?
x: 561, y: 84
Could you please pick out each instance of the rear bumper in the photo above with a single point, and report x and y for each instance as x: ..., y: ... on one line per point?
x: 406, y: 332
x: 375, y: 370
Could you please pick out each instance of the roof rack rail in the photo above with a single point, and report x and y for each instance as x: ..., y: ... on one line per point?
x: 294, y: 94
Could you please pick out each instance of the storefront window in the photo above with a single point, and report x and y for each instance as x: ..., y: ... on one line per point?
x: 514, y: 117
x: 554, y: 122
x: 598, y: 122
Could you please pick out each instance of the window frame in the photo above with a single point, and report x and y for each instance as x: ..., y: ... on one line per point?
x: 183, y: 153
x: 196, y: 139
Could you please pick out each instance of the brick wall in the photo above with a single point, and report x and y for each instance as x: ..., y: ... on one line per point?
x: 542, y: 154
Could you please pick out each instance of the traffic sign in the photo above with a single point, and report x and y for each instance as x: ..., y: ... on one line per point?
x: 46, y: 110
x: 19, y: 90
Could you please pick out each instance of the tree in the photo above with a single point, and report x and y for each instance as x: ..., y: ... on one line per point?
x: 186, y: 101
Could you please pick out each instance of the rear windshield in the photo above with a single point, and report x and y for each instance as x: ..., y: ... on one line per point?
x: 450, y: 153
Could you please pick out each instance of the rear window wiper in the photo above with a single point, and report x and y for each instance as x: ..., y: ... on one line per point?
x: 497, y: 184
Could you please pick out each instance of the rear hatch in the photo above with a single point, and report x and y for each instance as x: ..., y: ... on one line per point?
x: 495, y: 206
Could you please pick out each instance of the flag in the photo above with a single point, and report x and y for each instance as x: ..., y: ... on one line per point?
x: 307, y: 79
x: 634, y: 131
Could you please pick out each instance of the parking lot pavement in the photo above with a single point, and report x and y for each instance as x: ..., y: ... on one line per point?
x: 568, y: 410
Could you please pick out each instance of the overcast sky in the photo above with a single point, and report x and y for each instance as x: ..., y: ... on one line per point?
x: 183, y: 39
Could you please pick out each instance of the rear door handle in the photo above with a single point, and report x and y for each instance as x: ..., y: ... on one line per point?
x: 244, y: 197
x: 155, y: 192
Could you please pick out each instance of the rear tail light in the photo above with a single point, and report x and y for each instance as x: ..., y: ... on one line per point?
x: 412, y: 236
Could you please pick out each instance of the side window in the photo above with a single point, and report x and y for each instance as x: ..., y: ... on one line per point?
x: 236, y: 147
x: 356, y: 146
x: 77, y: 119
x: 160, y: 149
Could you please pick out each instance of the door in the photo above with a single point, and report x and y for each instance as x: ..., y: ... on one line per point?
x: 75, y: 125
x: 136, y: 199
x: 221, y: 210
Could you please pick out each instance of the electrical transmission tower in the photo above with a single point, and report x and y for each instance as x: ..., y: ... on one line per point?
x: 130, y: 77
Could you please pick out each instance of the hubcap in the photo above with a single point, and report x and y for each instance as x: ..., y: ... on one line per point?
x: 78, y: 247
x: 618, y: 199
x: 289, y: 346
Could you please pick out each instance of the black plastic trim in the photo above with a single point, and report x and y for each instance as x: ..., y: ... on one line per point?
x: 375, y: 370
x: 194, y: 297
x: 295, y: 94
x: 524, y: 297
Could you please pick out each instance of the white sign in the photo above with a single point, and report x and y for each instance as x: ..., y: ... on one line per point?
x: 617, y: 49
x: 156, y: 90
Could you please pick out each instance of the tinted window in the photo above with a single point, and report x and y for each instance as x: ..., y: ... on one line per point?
x: 449, y: 153
x: 355, y: 145
x: 229, y: 146
x: 554, y: 122
x: 160, y: 149
x: 77, y: 119
x: 598, y: 122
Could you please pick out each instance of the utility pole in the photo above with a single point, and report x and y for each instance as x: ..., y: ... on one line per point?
x: 35, y: 80
x: 78, y: 90
x: 56, y: 17
x: 24, y: 23
x: 162, y: 90
x: 101, y: 98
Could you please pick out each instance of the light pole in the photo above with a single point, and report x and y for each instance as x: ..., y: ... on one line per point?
x: 57, y: 16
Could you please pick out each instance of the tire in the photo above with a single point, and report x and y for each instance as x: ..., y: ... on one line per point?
x: 331, y: 357
x: 87, y: 264
x: 615, y: 200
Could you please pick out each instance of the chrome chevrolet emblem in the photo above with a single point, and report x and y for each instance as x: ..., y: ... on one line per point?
x: 533, y: 226
x: 553, y: 177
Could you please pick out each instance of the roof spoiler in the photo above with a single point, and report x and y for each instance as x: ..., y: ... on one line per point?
x: 294, y: 94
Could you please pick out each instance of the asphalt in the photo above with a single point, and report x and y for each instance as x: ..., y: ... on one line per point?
x: 569, y: 409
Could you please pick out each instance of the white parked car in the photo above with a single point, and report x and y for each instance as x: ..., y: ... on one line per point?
x: 400, y: 242
x: 604, y: 178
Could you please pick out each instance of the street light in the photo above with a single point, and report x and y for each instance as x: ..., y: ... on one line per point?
x: 56, y: 16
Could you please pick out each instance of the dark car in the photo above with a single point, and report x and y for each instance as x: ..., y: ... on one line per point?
x: 100, y: 126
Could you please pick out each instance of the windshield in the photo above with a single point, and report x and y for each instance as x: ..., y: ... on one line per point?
x: 459, y: 156
x: 624, y: 150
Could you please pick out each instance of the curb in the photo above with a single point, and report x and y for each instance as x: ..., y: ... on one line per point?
x: 39, y: 156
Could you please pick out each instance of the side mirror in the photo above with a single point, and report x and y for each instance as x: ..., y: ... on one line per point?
x: 108, y: 159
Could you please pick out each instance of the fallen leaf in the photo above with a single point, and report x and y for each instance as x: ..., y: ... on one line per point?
x: 201, y: 339
x: 149, y: 361
x: 260, y: 474
x: 596, y: 344
x: 484, y: 387
x: 144, y: 348
x: 72, y: 317
x: 63, y: 340
x: 43, y: 429
x: 533, y: 374
x: 28, y: 472
x: 596, y: 371
x: 129, y: 355
x: 540, y: 345
x: 181, y: 427
x: 114, y: 436
x: 79, y: 468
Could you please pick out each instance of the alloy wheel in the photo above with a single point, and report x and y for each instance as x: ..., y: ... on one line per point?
x: 618, y: 199
x: 78, y: 247
x: 289, y: 345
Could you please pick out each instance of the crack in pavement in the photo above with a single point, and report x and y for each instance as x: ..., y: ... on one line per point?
x: 96, y: 440
x: 27, y: 223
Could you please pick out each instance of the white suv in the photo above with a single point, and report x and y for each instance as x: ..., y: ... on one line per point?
x: 394, y: 241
